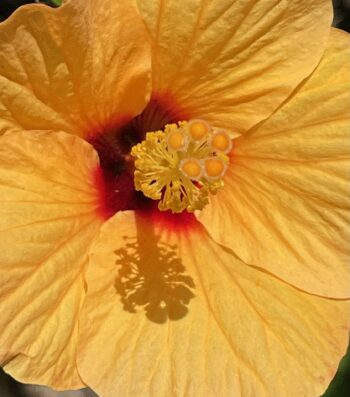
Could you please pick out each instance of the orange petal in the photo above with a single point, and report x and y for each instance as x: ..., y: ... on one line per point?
x: 48, y: 219
x: 171, y: 313
x: 233, y: 62
x: 75, y: 68
x: 285, y: 204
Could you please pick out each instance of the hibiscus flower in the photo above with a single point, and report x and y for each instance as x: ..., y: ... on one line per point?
x: 174, y: 197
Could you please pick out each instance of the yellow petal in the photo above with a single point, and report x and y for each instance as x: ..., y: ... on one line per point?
x: 48, y: 219
x: 285, y: 205
x: 233, y: 62
x: 171, y: 313
x: 77, y: 68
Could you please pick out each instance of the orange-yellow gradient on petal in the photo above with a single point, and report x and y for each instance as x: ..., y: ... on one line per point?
x: 171, y: 313
x: 75, y: 68
x: 48, y: 220
x: 233, y: 62
x: 285, y: 206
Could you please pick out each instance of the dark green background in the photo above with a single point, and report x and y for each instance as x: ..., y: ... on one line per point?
x: 340, y: 386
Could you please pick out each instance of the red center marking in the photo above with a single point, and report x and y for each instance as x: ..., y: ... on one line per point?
x: 183, y: 222
x: 114, y: 178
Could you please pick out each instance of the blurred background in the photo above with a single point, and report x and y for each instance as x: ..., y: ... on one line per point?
x: 339, y: 387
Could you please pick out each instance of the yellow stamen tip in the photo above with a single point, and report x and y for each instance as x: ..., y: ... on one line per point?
x: 169, y: 166
x: 214, y: 167
x: 177, y: 140
x: 191, y: 168
x: 198, y: 129
x: 221, y: 142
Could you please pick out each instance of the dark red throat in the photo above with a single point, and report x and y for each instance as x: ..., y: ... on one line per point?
x: 113, y: 144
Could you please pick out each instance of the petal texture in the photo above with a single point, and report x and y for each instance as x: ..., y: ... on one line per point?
x: 233, y: 62
x: 75, y: 68
x: 285, y: 205
x: 172, y: 313
x: 48, y: 220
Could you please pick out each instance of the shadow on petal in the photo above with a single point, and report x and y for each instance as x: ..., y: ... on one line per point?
x: 151, y: 276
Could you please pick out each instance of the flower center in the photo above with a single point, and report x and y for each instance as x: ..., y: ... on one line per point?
x: 181, y: 165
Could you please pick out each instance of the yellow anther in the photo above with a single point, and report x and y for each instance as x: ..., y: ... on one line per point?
x: 177, y: 140
x: 178, y: 166
x: 198, y: 129
x: 214, y: 167
x: 221, y: 142
x: 191, y: 168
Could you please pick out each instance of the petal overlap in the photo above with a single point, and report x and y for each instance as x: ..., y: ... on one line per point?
x: 78, y: 68
x: 48, y: 219
x: 225, y: 330
x: 285, y: 205
x: 233, y: 62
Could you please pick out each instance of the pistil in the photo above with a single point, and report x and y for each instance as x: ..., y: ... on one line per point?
x: 182, y: 165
